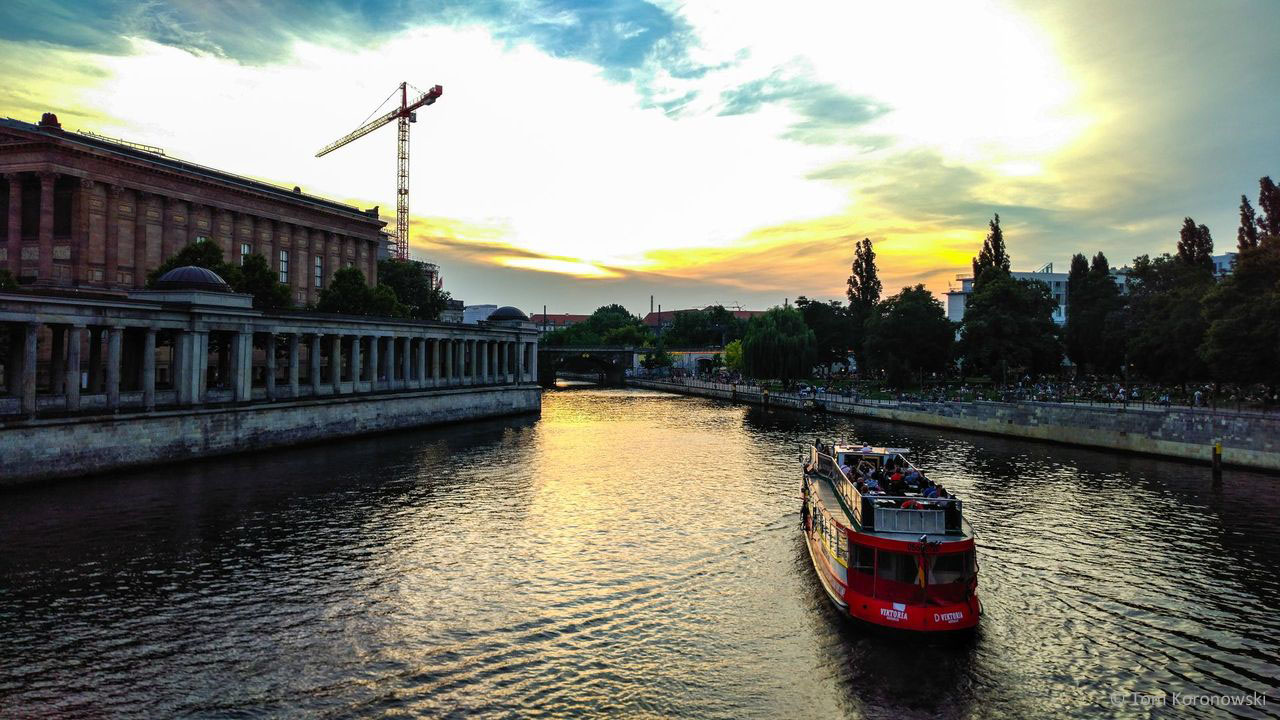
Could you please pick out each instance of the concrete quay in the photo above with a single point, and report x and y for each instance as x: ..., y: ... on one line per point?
x: 1250, y: 440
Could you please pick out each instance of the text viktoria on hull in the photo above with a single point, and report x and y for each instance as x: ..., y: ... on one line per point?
x: 889, y: 545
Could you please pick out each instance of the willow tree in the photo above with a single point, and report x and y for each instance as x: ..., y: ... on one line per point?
x: 779, y: 345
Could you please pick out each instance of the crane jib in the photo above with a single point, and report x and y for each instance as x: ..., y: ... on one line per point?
x: 404, y: 114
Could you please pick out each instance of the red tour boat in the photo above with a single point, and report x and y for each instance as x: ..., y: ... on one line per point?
x: 890, y: 547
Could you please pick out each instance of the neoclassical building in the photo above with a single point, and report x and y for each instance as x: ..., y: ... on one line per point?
x: 89, y: 212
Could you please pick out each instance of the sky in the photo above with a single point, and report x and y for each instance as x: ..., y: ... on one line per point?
x: 726, y: 151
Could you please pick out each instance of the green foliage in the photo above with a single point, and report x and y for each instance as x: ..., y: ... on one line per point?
x: 258, y: 280
x: 733, y: 355
x: 1247, y: 235
x: 659, y: 358
x: 1195, y: 246
x: 1095, y: 332
x: 864, y: 292
x: 1008, y: 327
x: 1242, y: 340
x: 778, y: 345
x: 1165, y: 324
x: 254, y: 278
x: 608, y: 325
x: 1269, y: 203
x: 833, y: 329
x: 993, y: 255
x: 414, y: 288
x: 348, y: 294
x: 7, y: 282
x: 908, y: 334
x: 711, y: 327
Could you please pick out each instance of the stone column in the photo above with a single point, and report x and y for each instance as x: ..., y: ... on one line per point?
x: 357, y: 366
x: 95, y: 360
x: 406, y: 364
x: 482, y: 361
x: 183, y: 375
x: 200, y: 365
x: 111, y: 274
x: 149, y: 369
x: 72, y: 380
x: 29, y: 368
x: 375, y: 369
x: 335, y: 364
x: 435, y: 361
x: 115, y: 336
x: 141, y: 245
x: 509, y: 360
x: 446, y: 350
x: 193, y: 221
x: 80, y: 231
x: 14, y: 249
x: 293, y: 365
x: 56, y: 361
x: 532, y: 374
x: 316, y: 339
x: 423, y: 380
x: 242, y: 366
x: 460, y: 362
x: 46, y: 226
x: 271, y: 366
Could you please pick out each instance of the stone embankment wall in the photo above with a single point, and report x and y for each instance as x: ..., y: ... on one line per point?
x: 41, y: 449
x: 1248, y: 439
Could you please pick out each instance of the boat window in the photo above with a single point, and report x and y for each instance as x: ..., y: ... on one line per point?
x: 864, y: 559
x: 842, y: 548
x: 899, y: 567
x: 948, y: 568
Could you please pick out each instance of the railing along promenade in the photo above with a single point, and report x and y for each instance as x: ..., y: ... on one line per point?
x: 1239, y: 437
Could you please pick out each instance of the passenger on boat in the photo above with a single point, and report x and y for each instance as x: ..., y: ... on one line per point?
x: 844, y: 468
x: 930, y: 490
x: 873, y: 485
x: 913, y: 478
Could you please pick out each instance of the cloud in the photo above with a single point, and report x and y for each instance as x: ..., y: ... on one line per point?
x: 826, y: 113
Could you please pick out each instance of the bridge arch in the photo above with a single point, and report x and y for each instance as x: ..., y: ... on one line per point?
x: 610, y: 363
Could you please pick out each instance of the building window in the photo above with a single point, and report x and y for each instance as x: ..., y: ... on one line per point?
x: 245, y: 250
x: 202, y: 239
x: 284, y: 266
x: 319, y: 272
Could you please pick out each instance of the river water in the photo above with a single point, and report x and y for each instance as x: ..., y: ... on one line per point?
x: 628, y: 554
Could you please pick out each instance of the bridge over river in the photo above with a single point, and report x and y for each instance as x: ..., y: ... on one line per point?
x: 609, y: 364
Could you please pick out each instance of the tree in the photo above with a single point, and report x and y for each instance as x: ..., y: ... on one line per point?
x: 733, y: 355
x: 864, y: 292
x: 1242, y: 338
x: 1094, y: 335
x: 1195, y: 246
x: 909, y: 334
x: 348, y: 294
x: 778, y: 345
x: 1247, y: 235
x: 258, y: 280
x: 608, y: 325
x: 1008, y: 327
x: 712, y: 326
x: 1165, y: 324
x: 1269, y: 203
x: 6, y: 281
x: 832, y: 326
x: 414, y: 288
x: 1075, y: 334
x: 993, y: 255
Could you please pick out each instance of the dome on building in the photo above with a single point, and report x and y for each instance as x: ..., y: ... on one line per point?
x: 506, y: 312
x: 191, y: 277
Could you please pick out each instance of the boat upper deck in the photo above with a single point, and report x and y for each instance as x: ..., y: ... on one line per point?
x: 878, y: 491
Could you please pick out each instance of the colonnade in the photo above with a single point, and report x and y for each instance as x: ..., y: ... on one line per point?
x: 114, y: 367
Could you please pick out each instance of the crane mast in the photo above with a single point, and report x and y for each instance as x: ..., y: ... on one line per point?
x: 403, y: 115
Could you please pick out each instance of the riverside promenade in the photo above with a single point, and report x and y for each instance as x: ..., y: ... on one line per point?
x: 1249, y: 439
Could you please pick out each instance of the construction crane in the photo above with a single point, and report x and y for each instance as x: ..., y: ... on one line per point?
x: 403, y: 115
